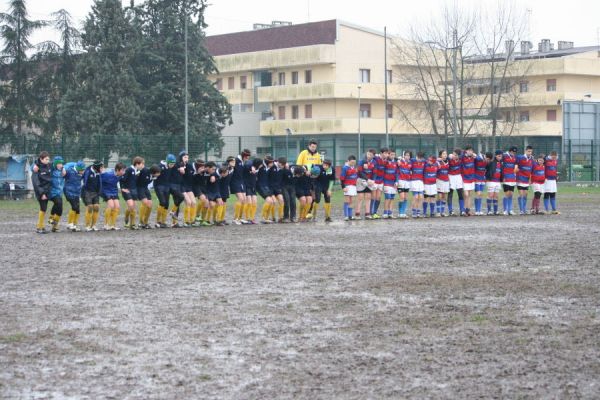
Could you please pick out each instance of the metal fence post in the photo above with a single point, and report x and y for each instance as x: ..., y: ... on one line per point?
x: 593, y: 164
x: 570, y: 161
x: 334, y: 153
x: 239, y: 145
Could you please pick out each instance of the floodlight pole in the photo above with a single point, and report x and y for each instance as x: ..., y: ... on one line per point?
x: 186, y: 79
x: 359, y: 146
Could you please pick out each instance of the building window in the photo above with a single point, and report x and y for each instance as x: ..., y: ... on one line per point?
x: 294, y: 112
x: 246, y: 107
x: 243, y: 82
x: 308, y: 76
x: 508, y: 116
x: 390, y: 110
x: 495, y: 89
x: 365, y: 76
x: 308, y: 111
x: 480, y: 90
x: 388, y: 75
x: 365, y: 111
x: 219, y: 83
x: 281, y: 112
x: 281, y: 78
x: 469, y: 91
x: 441, y: 114
x: 295, y: 78
x: 524, y: 87
x: 230, y: 83
x: 551, y: 85
x: 524, y: 116
x: 550, y: 115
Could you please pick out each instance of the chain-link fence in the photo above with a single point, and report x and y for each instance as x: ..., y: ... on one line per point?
x: 579, y: 159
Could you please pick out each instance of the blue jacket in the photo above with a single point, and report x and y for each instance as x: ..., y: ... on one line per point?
x: 110, y: 183
x: 91, y: 180
x: 72, y: 181
x: 58, y: 183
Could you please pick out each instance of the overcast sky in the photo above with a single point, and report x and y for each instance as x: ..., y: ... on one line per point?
x: 573, y: 20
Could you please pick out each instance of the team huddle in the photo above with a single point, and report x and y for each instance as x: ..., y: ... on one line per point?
x: 433, y: 181
x: 189, y: 193
x: 196, y: 193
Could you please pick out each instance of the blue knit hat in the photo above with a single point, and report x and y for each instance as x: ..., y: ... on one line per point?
x: 171, y: 159
x: 498, y: 152
x: 80, y: 166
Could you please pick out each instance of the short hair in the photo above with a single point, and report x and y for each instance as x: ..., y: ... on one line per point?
x: 384, y: 150
x: 457, y: 151
x: 312, y: 141
x: 44, y: 154
x: 468, y: 147
x: 553, y: 153
x: 541, y: 155
x: 441, y: 152
x: 282, y: 160
x: 489, y: 155
x: 246, y: 153
x: 421, y: 154
x: 199, y: 162
x: 223, y: 169
x: 371, y: 151
x: 408, y: 152
x: 269, y: 159
x: 120, y: 166
x: 138, y: 160
x: 154, y: 169
x: 351, y: 157
x: 328, y: 162
x: 211, y: 164
x: 529, y: 147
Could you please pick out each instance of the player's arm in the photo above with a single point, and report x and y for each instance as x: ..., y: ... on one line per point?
x: 301, y: 158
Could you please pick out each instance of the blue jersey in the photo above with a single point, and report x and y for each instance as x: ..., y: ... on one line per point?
x: 73, y: 181
x: 91, y: 180
x: 110, y: 184
x: 58, y: 183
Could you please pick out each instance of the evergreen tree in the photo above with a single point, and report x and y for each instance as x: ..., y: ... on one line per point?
x: 160, y: 70
x: 17, y: 97
x: 103, y: 100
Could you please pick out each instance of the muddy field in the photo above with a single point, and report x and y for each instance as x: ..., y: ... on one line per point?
x: 488, y: 307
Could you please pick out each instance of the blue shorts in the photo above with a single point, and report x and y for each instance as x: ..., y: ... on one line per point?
x: 417, y: 193
x: 479, y: 187
x: 389, y: 196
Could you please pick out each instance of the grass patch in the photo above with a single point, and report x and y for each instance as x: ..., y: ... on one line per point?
x: 14, y: 338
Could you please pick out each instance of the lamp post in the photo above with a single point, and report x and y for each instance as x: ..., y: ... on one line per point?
x: 288, y: 132
x: 186, y: 80
x: 359, y: 146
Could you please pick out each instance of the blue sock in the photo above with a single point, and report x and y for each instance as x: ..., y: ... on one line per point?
x: 414, y: 212
x: 350, y: 210
x: 400, y: 207
x: 525, y: 203
x: 489, y: 205
x: 345, y: 209
x: 450, y: 204
x: 461, y: 204
x: 438, y: 205
x: 377, y: 203
x: 442, y: 206
x: 495, y: 204
x: 509, y: 203
x: 553, y: 203
x: 547, y: 203
x: 424, y: 208
x: 505, y: 203
x: 431, y: 208
x: 478, y: 202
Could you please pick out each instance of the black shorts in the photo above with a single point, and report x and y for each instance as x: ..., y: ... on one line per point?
x: 213, y: 196
x: 508, y: 188
x: 143, y: 193
x: 91, y: 198
x: 265, y: 192
x: 403, y: 190
x: 365, y: 190
x: 522, y: 187
x: 302, y: 193
x: 430, y: 196
x: 185, y: 188
x: 131, y: 195
x: 236, y: 187
x: 111, y: 197
x: 277, y: 192
x: 250, y: 191
x: 198, y: 190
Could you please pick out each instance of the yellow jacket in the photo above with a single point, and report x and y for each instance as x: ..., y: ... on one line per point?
x: 308, y: 160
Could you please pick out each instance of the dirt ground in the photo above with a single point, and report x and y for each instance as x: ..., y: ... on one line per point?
x: 482, y: 307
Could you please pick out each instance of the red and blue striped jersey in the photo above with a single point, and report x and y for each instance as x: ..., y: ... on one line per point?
x: 417, y: 169
x: 508, y: 168
x: 494, y: 173
x: 454, y: 166
x: 378, y: 170
x: 390, y: 173
x: 442, y: 172
x: 348, y: 176
x: 551, y: 169
x: 538, y: 173
x: 404, y: 170
x: 468, y: 168
x: 430, y: 173
x: 480, y: 168
x: 525, y: 164
x: 365, y: 169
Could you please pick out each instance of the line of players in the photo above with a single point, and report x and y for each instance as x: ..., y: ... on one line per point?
x: 433, y: 180
x: 198, y: 190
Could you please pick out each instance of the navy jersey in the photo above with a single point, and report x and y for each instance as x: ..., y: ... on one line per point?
x: 224, y: 182
x: 110, y: 182
x: 176, y: 177
x: 129, y: 178
x: 91, y: 180
x: 249, y: 176
x: 287, y: 177
x: 237, y: 175
x: 144, y: 178
x: 212, y: 188
x: 302, y: 184
x: 164, y: 179
x: 188, y: 176
x: 275, y: 178
x: 326, y: 177
x: 263, y: 176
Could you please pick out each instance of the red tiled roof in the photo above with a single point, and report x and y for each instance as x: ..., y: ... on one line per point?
x: 282, y: 37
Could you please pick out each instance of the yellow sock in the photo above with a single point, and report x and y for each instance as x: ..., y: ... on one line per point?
x: 236, y: 210
x: 246, y: 210
x: 327, y: 207
x: 147, y: 215
x: 132, y: 217
x: 193, y: 213
x: 107, y: 216
x: 88, y: 217
x: 41, y: 217
x: 115, y: 216
x: 199, y: 207
x: 265, y: 211
x: 95, y: 216
x: 272, y: 211
x: 56, y: 219
x: 223, y: 212
x: 254, y: 209
x: 205, y: 213
x: 280, y: 211
x: 142, y: 213
x: 75, y: 218
x: 315, y: 208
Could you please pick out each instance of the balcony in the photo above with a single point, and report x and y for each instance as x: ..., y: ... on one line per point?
x: 239, y: 96
x: 334, y: 125
x: 260, y: 60
x: 321, y: 91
